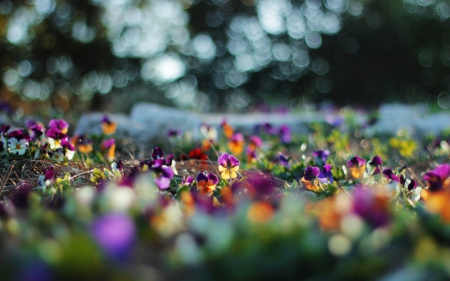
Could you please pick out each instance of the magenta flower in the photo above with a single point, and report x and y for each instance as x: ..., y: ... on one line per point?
x: 321, y: 155
x: 389, y: 174
x: 357, y: 166
x: 106, y: 144
x: 163, y: 173
x: 255, y: 141
x: 285, y: 133
x: 412, y: 185
x: 325, y: 175
x: 19, y: 135
x: 376, y: 162
x: 228, y: 166
x: 59, y: 124
x: 206, y: 183
x: 374, y: 208
x: 187, y: 181
x: 311, y: 172
x: 438, y: 178
x: 115, y: 234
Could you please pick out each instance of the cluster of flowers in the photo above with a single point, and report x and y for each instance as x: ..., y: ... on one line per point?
x: 53, y: 142
x: 37, y: 141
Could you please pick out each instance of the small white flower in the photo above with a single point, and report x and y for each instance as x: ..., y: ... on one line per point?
x: 17, y: 147
x: 58, y: 156
x: 70, y: 154
x: 54, y: 143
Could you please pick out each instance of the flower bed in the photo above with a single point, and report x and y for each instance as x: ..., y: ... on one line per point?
x: 328, y: 205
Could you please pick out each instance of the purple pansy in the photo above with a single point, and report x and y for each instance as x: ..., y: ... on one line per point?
x: 115, y: 234
x: 269, y: 129
x: 19, y: 135
x: 157, y: 153
x: 321, y: 154
x: 389, y: 174
x: 256, y: 141
x: 412, y: 185
x: 311, y: 172
x: 187, y: 181
x: 106, y: 144
x: 376, y: 162
x: 285, y: 133
x: 55, y: 133
x: 438, y: 178
x: 283, y: 159
x: 228, y: 166
x: 163, y: 173
x: 371, y: 207
x: 325, y: 174
x: 59, y: 124
x: 356, y: 162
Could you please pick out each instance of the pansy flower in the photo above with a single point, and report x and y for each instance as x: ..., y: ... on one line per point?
x: 46, y: 178
x: 55, y: 136
x: 439, y: 178
x: 228, y: 166
x: 163, y: 173
x: 83, y: 144
x: 325, y: 175
x: 321, y: 156
x: 187, y: 181
x: 108, y: 126
x: 251, y: 154
x: 390, y: 175
x: 283, y: 159
x: 57, y: 155
x: 227, y: 129
x: 269, y: 129
x: 285, y: 134
x: 115, y: 233
x: 255, y: 142
x: 68, y: 149
x: 310, y: 180
x: 357, y: 167
x: 109, y: 146
x: 373, y: 207
x: 59, y: 124
x: 376, y: 162
x: 197, y: 153
x: 18, y: 147
x: 236, y: 143
x: 206, y: 183
x: 19, y: 135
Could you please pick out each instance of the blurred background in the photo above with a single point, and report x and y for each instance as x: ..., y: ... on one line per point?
x: 223, y: 55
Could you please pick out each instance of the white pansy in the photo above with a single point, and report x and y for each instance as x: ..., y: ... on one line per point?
x: 17, y: 147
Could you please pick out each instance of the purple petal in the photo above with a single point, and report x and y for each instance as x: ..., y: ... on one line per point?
x: 389, y: 174
x: 169, y: 160
x: 257, y: 141
x: 356, y: 161
x: 213, y: 178
x: 157, y: 153
x: 162, y: 182
x: 167, y: 172
x: 201, y: 177
x: 223, y: 160
x: 376, y: 161
x: 412, y: 185
x: 233, y: 161
x: 311, y: 172
x: 59, y: 124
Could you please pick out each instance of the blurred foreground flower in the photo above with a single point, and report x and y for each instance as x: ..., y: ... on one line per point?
x: 115, y: 234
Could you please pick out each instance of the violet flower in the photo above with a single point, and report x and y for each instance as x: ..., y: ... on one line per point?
x: 285, y: 133
x: 163, y: 173
x: 59, y: 124
x: 228, y: 166
x: 412, y: 185
x: 321, y: 155
x: 438, y: 178
x: 309, y: 179
x: 311, y: 172
x: 206, y: 183
x: 325, y: 174
x: 115, y: 234
x: 376, y: 162
x: 389, y: 174
x: 356, y: 166
x: 374, y: 208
